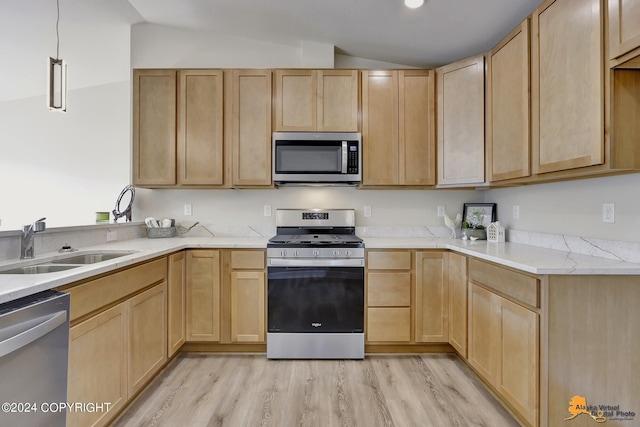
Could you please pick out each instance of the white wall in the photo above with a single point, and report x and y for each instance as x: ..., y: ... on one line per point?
x: 574, y: 207
x: 64, y: 166
x: 245, y: 207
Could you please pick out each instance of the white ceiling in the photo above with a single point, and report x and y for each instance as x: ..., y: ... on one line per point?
x: 439, y: 32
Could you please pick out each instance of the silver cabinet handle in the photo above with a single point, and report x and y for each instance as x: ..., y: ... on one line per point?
x: 25, y: 338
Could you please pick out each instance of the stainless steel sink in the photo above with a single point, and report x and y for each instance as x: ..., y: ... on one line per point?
x: 89, y: 258
x: 63, y: 262
x: 39, y: 269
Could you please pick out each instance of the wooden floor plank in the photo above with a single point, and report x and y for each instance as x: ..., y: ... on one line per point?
x: 250, y: 390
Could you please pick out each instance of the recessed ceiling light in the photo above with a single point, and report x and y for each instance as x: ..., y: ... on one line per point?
x: 413, y: 3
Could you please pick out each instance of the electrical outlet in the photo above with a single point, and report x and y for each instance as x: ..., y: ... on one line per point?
x: 267, y: 210
x: 440, y: 210
x: 367, y: 211
x: 188, y: 209
x: 609, y: 212
x: 112, y: 236
x: 516, y: 212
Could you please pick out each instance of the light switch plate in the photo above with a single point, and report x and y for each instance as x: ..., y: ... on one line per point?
x: 440, y: 210
x: 516, y: 212
x: 188, y: 209
x: 367, y: 211
x: 267, y: 210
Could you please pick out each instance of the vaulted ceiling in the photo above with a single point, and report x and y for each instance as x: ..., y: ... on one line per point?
x: 439, y: 32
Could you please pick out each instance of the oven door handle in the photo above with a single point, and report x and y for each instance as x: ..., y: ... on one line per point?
x: 321, y: 262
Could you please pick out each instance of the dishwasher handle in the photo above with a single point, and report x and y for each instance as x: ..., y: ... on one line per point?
x: 48, y: 324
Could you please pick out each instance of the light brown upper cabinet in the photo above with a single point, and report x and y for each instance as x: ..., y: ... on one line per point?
x: 248, y: 121
x: 154, y: 127
x: 508, y: 106
x: 316, y: 100
x: 624, y: 27
x: 567, y: 85
x: 398, y: 128
x: 200, y: 137
x: 461, y: 154
x: 177, y: 128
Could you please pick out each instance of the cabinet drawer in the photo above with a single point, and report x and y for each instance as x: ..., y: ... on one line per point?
x: 247, y: 260
x: 389, y: 324
x: 388, y: 289
x: 389, y: 260
x: 510, y: 283
x: 91, y: 296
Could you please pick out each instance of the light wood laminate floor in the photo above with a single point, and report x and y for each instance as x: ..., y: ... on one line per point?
x: 249, y: 390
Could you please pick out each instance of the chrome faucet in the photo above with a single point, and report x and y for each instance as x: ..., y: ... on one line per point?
x: 28, y: 232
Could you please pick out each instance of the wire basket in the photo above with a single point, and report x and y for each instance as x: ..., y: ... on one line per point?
x: 161, y: 233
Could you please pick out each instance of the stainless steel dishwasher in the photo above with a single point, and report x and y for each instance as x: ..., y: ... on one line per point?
x: 34, y: 351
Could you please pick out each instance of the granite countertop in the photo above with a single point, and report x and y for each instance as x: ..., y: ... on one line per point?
x: 527, y: 258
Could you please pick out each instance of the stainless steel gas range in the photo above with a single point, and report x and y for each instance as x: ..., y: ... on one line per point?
x: 315, y: 286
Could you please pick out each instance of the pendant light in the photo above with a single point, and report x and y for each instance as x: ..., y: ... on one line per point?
x: 57, y: 73
x: 413, y: 4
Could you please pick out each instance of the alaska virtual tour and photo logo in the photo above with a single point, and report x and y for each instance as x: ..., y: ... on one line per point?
x: 599, y: 413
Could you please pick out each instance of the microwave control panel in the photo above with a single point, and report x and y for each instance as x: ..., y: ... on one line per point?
x: 352, y: 157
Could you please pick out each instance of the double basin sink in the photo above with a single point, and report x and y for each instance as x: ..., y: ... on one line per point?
x: 62, y: 262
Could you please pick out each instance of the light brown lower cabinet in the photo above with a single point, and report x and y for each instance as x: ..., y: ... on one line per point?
x: 458, y: 302
x: 147, y: 336
x: 431, y: 296
x: 98, y: 365
x: 388, y: 296
x: 176, y: 303
x: 248, y: 290
x: 203, y: 295
x: 503, y: 349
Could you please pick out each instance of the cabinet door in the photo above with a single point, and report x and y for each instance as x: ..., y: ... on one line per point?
x: 200, y: 140
x: 567, y: 85
x: 98, y: 365
x: 417, y: 127
x: 431, y: 297
x: 247, y: 306
x: 508, y: 106
x: 337, y: 97
x: 295, y: 100
x: 458, y: 302
x: 251, y: 127
x: 624, y: 26
x: 154, y: 127
x: 484, y: 340
x: 517, y: 378
x: 461, y: 155
x: 176, y: 295
x: 380, y: 127
x: 203, y: 295
x: 147, y: 336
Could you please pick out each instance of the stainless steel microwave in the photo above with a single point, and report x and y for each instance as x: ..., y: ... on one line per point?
x: 331, y: 158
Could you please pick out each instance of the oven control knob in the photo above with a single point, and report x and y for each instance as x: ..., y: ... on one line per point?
x: 315, y: 252
x: 336, y: 252
x: 296, y: 253
x: 283, y: 253
x: 347, y: 252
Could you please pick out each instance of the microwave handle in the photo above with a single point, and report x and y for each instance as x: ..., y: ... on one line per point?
x: 344, y: 157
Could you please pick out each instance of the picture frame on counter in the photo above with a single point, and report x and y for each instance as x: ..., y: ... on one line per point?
x: 479, y: 215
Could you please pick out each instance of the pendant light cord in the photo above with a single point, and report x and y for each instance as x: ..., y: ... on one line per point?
x: 58, y: 31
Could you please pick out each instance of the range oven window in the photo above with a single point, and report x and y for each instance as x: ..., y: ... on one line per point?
x: 308, y: 157
x: 315, y: 299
